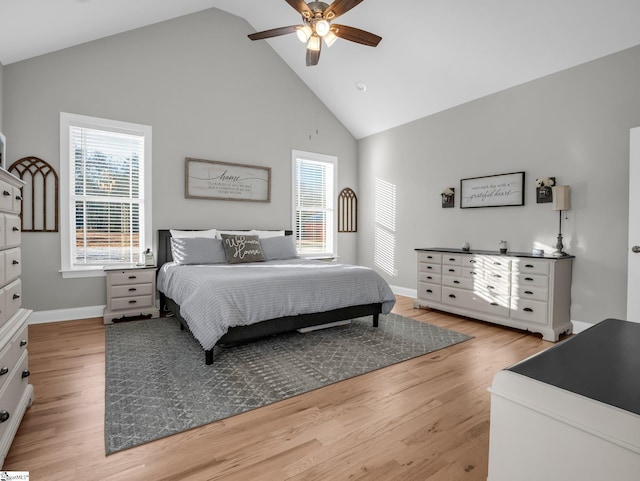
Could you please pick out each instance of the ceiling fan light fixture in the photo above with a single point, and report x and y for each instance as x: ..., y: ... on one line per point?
x: 330, y: 38
x: 304, y: 33
x: 322, y: 27
x: 314, y: 43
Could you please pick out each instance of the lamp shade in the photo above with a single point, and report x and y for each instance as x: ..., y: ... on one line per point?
x: 561, y: 199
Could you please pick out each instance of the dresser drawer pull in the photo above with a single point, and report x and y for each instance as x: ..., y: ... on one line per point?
x: 18, y: 197
x: 25, y: 373
x: 452, y: 296
x: 497, y: 263
x: 16, y: 296
x: 429, y: 267
x: 452, y: 270
x: 132, y: 289
x: 494, y: 304
x: 429, y: 257
x: 4, y: 370
x: 429, y: 291
x: 23, y: 343
x: 15, y: 262
x: 529, y: 266
x: 6, y: 192
x: 452, y: 259
x: 529, y: 292
x: 527, y: 309
x: 4, y: 415
x: 473, y: 273
x: 132, y: 277
x: 529, y: 279
x: 132, y: 301
x: 16, y: 229
x: 498, y: 276
x: 490, y: 287
x: 473, y: 261
x: 456, y: 282
x: 430, y: 278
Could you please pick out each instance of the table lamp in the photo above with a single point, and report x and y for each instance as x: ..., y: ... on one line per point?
x: 560, y: 202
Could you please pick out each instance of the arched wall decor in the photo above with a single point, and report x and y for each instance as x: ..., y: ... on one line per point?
x: 347, y: 211
x: 40, y: 194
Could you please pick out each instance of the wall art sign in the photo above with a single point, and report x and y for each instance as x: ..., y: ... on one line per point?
x: 492, y: 190
x: 210, y: 179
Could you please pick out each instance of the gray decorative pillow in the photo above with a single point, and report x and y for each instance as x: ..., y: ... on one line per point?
x: 279, y: 248
x: 197, y: 250
x: 242, y: 248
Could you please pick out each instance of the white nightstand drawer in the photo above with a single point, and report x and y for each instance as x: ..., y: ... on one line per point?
x: 12, y: 298
x: 133, y: 302
x: 12, y: 391
x: 12, y: 264
x: 11, y: 353
x: 132, y: 290
x: 139, y: 276
x: 12, y: 231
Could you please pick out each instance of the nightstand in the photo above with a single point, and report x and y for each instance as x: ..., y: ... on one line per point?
x: 131, y: 292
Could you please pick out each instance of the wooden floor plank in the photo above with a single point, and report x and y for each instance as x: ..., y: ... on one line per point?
x: 424, y: 419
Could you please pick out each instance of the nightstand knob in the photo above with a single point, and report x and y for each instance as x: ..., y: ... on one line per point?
x: 16, y: 229
x: 132, y: 301
x: 15, y: 262
x: 25, y: 373
x: 23, y: 343
x: 6, y: 192
x: 4, y: 415
x: 16, y: 296
x: 132, y: 289
x: 4, y: 370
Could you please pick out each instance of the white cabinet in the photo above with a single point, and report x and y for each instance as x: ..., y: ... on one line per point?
x: 130, y: 292
x: 516, y: 290
x: 16, y: 394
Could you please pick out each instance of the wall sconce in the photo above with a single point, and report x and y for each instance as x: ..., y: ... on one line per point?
x: 561, y: 202
x: 543, y: 189
x: 448, y: 197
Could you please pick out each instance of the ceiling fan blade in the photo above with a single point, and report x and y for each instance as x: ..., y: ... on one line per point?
x: 313, y: 56
x: 274, y: 32
x: 301, y: 7
x: 339, y: 7
x: 356, y: 35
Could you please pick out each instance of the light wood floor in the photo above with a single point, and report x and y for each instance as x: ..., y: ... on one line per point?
x: 425, y: 419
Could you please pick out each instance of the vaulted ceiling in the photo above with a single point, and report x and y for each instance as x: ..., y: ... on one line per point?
x: 434, y: 54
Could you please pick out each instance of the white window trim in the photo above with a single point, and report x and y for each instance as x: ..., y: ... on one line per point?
x: 299, y: 154
x: 66, y: 121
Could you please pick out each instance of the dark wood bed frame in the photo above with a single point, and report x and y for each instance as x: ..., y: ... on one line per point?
x: 240, y: 334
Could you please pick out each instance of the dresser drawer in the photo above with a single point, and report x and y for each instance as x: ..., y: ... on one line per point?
x: 534, y: 292
x: 459, y: 282
x: 531, y: 266
x: 11, y: 353
x: 6, y: 196
x: 431, y: 292
x: 12, y: 298
x: 12, y: 231
x: 476, y: 300
x: 452, y: 259
x: 529, y: 280
x: 528, y: 310
x: 435, y: 268
x: 451, y: 270
x: 12, y: 390
x: 12, y: 264
x: 133, y: 302
x: 142, y: 276
x: 430, y: 277
x: 430, y: 257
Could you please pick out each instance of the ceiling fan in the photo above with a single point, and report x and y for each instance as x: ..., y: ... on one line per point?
x: 317, y: 26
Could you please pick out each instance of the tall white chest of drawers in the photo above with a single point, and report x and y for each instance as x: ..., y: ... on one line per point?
x: 516, y: 289
x: 16, y: 394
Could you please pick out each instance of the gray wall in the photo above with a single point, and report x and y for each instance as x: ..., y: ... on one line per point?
x: 208, y: 92
x: 573, y: 125
x: 1, y: 93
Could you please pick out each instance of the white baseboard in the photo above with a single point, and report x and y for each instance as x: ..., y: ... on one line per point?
x: 579, y: 326
x: 404, y: 291
x: 57, y: 315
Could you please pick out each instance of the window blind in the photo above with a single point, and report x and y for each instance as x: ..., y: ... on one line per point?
x: 314, y: 207
x: 107, y: 196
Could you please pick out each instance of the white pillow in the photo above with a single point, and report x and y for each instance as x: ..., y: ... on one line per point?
x: 264, y: 234
x: 233, y: 232
x: 210, y: 234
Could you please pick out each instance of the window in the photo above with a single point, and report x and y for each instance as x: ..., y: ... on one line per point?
x: 314, y: 178
x: 105, y: 168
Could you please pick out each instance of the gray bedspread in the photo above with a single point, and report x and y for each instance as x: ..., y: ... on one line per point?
x: 214, y: 297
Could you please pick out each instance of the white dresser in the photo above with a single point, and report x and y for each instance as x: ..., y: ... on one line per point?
x: 16, y: 394
x: 515, y: 289
x: 130, y: 292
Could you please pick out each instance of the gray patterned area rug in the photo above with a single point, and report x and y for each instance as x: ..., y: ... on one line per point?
x: 157, y: 383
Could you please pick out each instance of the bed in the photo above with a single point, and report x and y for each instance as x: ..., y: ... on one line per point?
x: 216, y: 302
